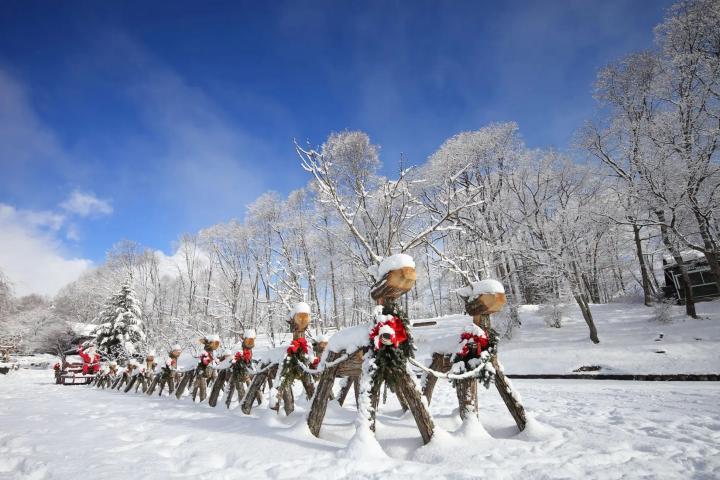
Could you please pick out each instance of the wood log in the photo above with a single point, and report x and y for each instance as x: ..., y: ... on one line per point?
x: 352, y: 367
x: 186, y: 379
x: 308, y: 385
x: 406, y: 386
x: 288, y: 400
x: 440, y: 363
x: 466, y: 391
x: 393, y: 284
x: 231, y: 392
x: 515, y: 408
x: 320, y: 400
x: 153, y: 384
x: 130, y: 384
x: 345, y: 390
x: 116, y: 382
x: 257, y: 382
x: 485, y: 304
x: 217, y: 387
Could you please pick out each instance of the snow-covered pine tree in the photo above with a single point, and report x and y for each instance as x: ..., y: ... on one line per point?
x: 119, y: 333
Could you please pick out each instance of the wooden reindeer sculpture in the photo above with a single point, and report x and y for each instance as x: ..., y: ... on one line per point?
x: 127, y: 374
x: 205, y: 373
x: 168, y: 374
x: 108, y: 376
x: 387, y: 346
x: 145, y: 376
x: 237, y: 375
x: 478, y: 345
x: 290, y: 365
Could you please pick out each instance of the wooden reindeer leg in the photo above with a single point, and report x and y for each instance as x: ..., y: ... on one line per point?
x: 466, y: 391
x: 440, y: 363
x: 254, y: 389
x: 322, y: 395
x: 153, y: 384
x: 501, y: 383
x: 308, y: 385
x: 162, y: 387
x: 130, y: 384
x: 345, y: 390
x: 171, y: 384
x: 186, y: 379
x: 288, y: 400
x: 374, y: 402
x: 230, y: 392
x: 202, y: 386
x: 423, y: 420
x: 217, y: 386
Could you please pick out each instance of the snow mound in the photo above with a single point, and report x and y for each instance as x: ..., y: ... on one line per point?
x: 300, y: 307
x: 350, y: 339
x: 388, y: 264
x: 476, y: 289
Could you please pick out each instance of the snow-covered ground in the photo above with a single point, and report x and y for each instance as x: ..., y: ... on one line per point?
x: 582, y: 429
x: 579, y: 429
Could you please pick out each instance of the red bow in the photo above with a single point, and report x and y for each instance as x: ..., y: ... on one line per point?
x: 206, y: 358
x: 399, y: 334
x: 245, y: 355
x: 297, y: 344
x: 468, y: 337
x: 316, y: 362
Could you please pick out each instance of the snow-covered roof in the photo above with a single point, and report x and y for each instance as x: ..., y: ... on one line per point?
x: 687, y: 256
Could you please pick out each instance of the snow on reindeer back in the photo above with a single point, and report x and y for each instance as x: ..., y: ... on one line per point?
x: 476, y: 289
x: 388, y: 264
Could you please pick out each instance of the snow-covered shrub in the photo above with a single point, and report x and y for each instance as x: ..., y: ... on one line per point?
x: 553, y: 313
x: 663, y: 310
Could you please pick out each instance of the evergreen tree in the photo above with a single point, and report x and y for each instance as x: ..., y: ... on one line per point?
x: 119, y: 333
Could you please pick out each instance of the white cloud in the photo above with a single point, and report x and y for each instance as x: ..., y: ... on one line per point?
x: 86, y: 204
x: 30, y: 254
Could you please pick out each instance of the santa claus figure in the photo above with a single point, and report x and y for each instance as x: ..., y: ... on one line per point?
x: 91, y: 360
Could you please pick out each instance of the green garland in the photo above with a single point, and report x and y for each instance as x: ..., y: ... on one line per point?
x: 291, y: 369
x: 390, y: 360
x: 487, y: 376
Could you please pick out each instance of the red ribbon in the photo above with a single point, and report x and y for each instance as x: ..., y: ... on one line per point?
x: 399, y: 335
x: 299, y: 344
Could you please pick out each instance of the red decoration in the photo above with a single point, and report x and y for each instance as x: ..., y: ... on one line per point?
x: 398, y: 336
x: 469, y: 337
x: 206, y: 358
x: 299, y: 344
x: 315, y: 362
x: 56, y: 366
x: 245, y: 355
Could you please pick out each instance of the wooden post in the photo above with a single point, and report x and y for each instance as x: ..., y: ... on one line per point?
x: 217, y: 387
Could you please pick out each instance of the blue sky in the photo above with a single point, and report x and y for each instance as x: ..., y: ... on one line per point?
x: 176, y: 115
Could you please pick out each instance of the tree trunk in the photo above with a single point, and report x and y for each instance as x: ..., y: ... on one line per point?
x: 646, y: 284
x: 677, y: 256
x: 587, y: 315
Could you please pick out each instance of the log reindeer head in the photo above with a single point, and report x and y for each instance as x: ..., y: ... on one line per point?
x: 396, y: 275
x: 483, y: 298
x: 299, y: 319
x: 248, y: 339
x: 175, y: 351
x: 210, y: 342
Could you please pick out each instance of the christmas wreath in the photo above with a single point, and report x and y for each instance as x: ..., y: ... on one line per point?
x: 476, y: 349
x: 292, y: 369
x: 390, y: 343
x: 241, y: 362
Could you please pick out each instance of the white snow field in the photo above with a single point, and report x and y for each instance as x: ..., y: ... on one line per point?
x: 582, y: 429
x: 579, y: 428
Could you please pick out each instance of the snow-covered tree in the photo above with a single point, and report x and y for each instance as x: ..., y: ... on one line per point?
x: 120, y: 334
